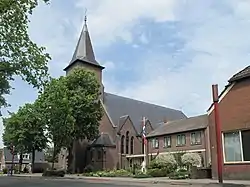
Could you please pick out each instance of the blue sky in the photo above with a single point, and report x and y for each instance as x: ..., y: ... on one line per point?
x: 167, y: 52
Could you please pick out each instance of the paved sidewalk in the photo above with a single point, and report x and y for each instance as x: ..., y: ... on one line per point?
x: 147, y: 180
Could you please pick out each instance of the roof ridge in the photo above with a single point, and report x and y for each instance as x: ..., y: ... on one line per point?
x: 202, y: 115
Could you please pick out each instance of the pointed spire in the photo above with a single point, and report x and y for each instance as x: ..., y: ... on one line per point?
x: 84, y: 51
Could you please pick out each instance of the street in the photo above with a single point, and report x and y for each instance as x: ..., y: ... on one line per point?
x: 63, y: 182
x: 45, y: 182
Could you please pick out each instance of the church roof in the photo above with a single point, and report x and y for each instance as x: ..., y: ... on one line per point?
x: 118, y: 106
x: 103, y: 140
x: 84, y: 51
x: 183, y: 125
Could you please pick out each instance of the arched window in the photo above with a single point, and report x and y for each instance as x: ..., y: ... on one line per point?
x: 122, y: 144
x: 132, y: 145
x: 127, y: 142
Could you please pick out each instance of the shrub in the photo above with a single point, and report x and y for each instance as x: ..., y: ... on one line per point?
x: 111, y: 173
x: 88, y: 168
x: 156, y: 172
x: 140, y: 174
x: 179, y: 175
x: 177, y: 157
x: 54, y: 173
x: 165, y: 162
x: 25, y: 170
x: 191, y: 159
x: 5, y: 170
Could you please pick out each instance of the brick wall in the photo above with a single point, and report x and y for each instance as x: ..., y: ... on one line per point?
x: 234, y: 115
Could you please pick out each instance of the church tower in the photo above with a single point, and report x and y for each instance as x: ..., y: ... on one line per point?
x: 84, y: 56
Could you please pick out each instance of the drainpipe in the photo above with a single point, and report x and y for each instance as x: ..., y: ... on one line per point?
x: 218, y: 133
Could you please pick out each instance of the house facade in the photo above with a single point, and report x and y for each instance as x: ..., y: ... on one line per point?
x: 182, y: 136
x: 119, y: 144
x: 6, y: 160
x: 235, y: 125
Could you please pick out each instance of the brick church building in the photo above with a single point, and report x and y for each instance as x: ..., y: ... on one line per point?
x: 119, y: 144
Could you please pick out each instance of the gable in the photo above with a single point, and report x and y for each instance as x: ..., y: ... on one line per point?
x: 221, y: 96
x: 127, y: 126
x: 118, y: 106
x: 234, y: 107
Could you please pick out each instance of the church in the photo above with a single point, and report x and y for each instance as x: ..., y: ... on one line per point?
x: 120, y: 143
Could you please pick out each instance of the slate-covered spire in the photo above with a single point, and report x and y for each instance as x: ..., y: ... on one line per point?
x: 84, y: 51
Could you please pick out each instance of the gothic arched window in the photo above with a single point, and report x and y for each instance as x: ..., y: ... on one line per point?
x: 132, y: 145
x: 122, y: 144
x: 127, y: 142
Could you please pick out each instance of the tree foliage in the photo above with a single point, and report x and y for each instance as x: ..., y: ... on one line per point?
x: 25, y: 130
x: 84, y: 99
x: 191, y: 159
x: 19, y: 55
x: 71, y: 108
x: 49, y: 155
x: 53, y: 104
x: 12, y: 132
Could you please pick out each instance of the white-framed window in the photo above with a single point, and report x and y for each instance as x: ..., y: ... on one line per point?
x: 25, y: 156
x: 195, y: 138
x: 236, y: 146
x: 181, y: 140
x: 167, y: 141
x: 155, y: 143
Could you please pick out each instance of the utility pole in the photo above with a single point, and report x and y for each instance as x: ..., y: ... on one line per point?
x: 218, y: 132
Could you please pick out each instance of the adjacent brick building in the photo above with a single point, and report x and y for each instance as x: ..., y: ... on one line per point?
x: 119, y: 143
x: 234, y: 108
x: 186, y: 135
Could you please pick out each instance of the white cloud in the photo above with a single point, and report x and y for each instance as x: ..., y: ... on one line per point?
x: 115, y: 19
x: 216, y: 46
x: 219, y: 46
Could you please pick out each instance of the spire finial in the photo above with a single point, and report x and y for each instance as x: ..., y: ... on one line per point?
x: 85, y: 18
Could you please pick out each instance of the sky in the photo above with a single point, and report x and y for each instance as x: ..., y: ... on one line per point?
x: 166, y: 52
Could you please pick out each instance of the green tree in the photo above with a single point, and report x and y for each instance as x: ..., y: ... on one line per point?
x: 19, y: 55
x: 26, y: 131
x: 11, y: 134
x: 49, y: 155
x: 84, y: 94
x: 72, y: 107
x: 53, y: 105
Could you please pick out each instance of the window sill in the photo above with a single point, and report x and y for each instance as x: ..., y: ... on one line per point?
x: 180, y: 145
x: 165, y: 147
x: 237, y: 162
x: 193, y: 144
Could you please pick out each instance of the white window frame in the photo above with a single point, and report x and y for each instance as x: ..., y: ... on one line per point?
x: 241, y: 149
x: 154, y: 143
x: 195, y: 143
x: 179, y: 145
x: 166, y: 144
